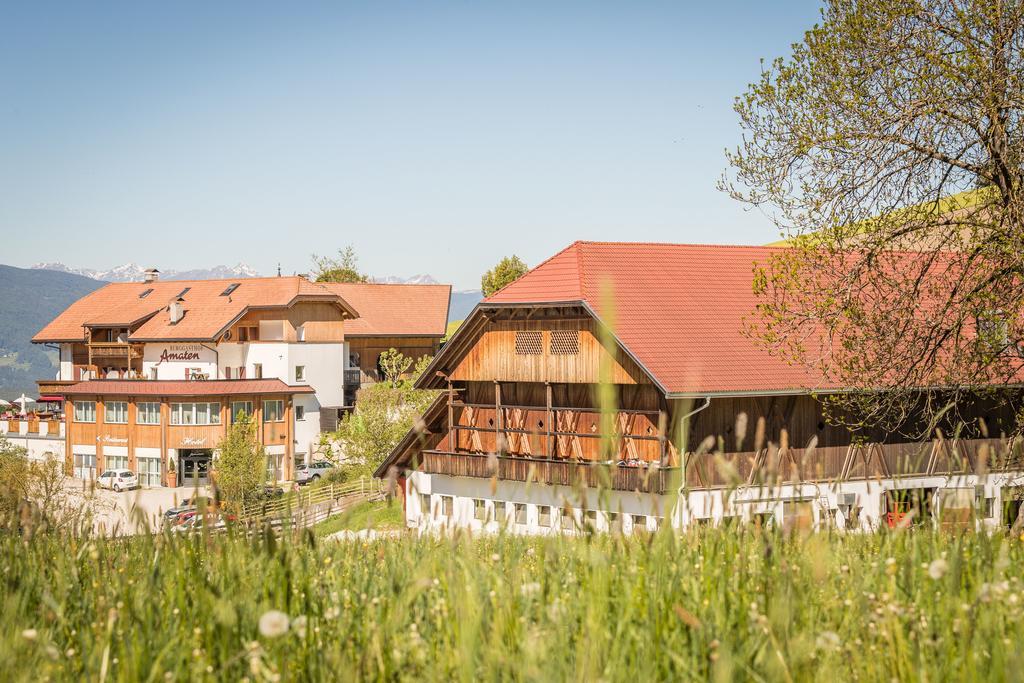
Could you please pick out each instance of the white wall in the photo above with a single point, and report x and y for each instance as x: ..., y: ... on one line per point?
x: 325, y: 370
x: 199, y: 356
x: 67, y: 365
x: 684, y: 510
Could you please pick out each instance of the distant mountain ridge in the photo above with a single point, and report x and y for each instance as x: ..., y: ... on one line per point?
x: 132, y: 272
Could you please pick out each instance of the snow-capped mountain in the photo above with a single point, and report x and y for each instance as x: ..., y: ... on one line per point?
x: 414, y: 280
x: 132, y: 272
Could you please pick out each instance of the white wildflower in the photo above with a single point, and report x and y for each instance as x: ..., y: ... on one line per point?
x: 938, y: 568
x: 273, y: 624
x: 29, y: 634
x: 530, y: 588
x: 827, y: 640
x: 299, y: 625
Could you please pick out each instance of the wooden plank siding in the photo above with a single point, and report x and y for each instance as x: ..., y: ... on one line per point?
x: 369, y: 349
x: 495, y: 356
x: 321, y: 322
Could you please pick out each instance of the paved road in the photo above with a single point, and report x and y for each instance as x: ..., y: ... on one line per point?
x: 129, y: 512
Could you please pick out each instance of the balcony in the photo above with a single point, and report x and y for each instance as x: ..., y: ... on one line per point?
x: 353, y: 377
x: 650, y: 479
x: 114, y: 350
x: 54, y: 387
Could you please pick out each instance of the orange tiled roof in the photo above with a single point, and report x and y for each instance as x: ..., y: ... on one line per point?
x: 395, y: 310
x: 207, y: 312
x: 212, y: 387
x: 679, y: 309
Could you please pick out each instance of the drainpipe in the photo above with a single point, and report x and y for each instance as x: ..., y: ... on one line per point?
x: 216, y: 358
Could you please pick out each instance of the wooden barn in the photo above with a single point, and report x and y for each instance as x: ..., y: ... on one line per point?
x: 613, y: 386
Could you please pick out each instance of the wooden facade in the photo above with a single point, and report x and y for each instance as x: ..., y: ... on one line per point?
x: 514, y: 405
x: 132, y: 435
x: 319, y: 321
x: 365, y: 352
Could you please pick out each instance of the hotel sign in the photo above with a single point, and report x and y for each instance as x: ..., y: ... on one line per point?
x: 193, y: 441
x: 181, y: 352
x: 111, y: 439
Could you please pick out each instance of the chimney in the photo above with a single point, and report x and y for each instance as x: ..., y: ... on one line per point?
x: 175, y: 310
x: 151, y: 275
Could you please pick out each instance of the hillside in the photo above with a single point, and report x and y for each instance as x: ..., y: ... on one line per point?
x: 30, y: 298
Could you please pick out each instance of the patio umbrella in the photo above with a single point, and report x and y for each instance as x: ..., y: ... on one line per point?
x: 23, y: 401
x: 4, y: 403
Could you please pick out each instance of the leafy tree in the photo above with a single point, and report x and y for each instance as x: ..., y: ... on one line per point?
x: 393, y: 363
x: 343, y: 268
x: 874, y: 136
x: 508, y: 270
x: 384, y: 413
x: 240, y: 468
x: 34, y: 495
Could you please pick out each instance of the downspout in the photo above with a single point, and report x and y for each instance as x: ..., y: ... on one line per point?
x: 682, y: 483
x: 216, y: 358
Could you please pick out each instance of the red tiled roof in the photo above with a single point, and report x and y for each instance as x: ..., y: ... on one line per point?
x: 207, y: 312
x: 679, y: 309
x: 395, y: 310
x: 213, y: 387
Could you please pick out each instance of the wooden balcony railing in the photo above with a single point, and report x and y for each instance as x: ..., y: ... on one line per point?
x: 114, y: 350
x: 559, y: 472
x: 54, y: 387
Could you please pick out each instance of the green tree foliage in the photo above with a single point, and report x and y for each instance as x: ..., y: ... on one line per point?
x: 508, y: 270
x: 240, y: 468
x: 384, y: 413
x: 394, y: 364
x: 873, y: 136
x: 343, y: 268
x: 34, y: 495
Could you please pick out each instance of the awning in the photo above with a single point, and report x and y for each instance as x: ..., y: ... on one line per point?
x: 50, y: 399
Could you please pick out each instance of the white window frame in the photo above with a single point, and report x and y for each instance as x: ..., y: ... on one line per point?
x: 85, y: 411
x: 279, y: 415
x: 180, y: 410
x: 248, y: 410
x: 116, y: 462
x: 143, y: 413
x: 115, y: 413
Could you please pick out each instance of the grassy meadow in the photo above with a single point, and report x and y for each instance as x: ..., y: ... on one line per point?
x: 709, y: 605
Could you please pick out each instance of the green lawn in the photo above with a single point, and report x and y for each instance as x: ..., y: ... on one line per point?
x: 710, y: 605
x: 378, y: 515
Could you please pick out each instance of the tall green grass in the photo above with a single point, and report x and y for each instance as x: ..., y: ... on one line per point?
x: 726, y: 604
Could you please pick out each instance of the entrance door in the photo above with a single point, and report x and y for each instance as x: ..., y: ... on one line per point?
x: 84, y: 465
x: 195, y: 468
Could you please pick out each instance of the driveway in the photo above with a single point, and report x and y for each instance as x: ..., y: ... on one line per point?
x: 129, y: 512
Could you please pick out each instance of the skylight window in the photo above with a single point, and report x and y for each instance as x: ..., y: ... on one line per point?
x: 183, y: 292
x: 232, y: 287
x: 146, y: 293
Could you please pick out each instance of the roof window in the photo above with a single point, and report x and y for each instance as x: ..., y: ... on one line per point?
x: 183, y: 292
x: 146, y: 293
x: 232, y: 287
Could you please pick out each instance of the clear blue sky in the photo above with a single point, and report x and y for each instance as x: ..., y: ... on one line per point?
x: 432, y: 136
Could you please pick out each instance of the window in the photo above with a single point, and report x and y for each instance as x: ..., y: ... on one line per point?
x: 116, y: 462
x: 275, y: 466
x: 244, y: 407
x: 183, y: 292
x: 85, y: 411
x: 146, y: 293
x: 257, y: 370
x: 273, y: 411
x: 84, y: 465
x: 568, y: 520
x: 520, y: 511
x: 639, y: 523
x: 500, y: 511
x: 528, y: 343
x: 300, y: 333
x: 300, y: 373
x: 544, y: 515
x: 195, y: 373
x: 479, y: 510
x: 227, y: 373
x: 564, y: 343
x: 195, y: 413
x: 152, y: 373
x: 241, y: 372
x: 232, y: 287
x: 614, y: 523
x: 447, y: 506
x: 424, y: 505
x: 147, y: 413
x: 149, y: 471
x: 590, y: 519
x: 115, y: 412
x: 300, y: 412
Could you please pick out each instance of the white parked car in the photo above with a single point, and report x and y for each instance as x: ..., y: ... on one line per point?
x: 305, y: 474
x: 118, y: 480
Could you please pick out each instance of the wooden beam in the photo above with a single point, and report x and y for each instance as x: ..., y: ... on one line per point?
x: 547, y: 420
